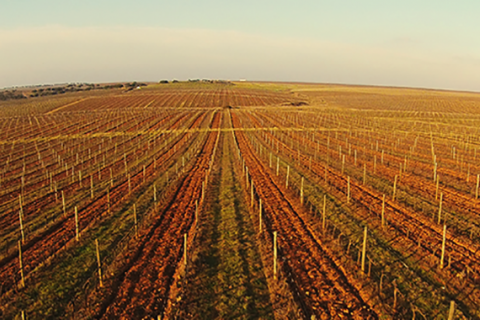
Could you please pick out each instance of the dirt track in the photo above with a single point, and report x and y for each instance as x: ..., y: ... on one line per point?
x: 227, y: 277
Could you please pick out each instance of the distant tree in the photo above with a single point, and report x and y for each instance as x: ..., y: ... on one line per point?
x: 11, y: 95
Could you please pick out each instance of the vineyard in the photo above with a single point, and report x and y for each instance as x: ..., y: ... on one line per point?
x: 245, y: 200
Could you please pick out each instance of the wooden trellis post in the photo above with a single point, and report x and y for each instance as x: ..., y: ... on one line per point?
x: 301, y: 192
x: 63, y: 205
x: 91, y: 186
x: 185, y: 249
x: 383, y: 211
x: 476, y: 189
x: 394, y: 187
x: 324, y: 211
x: 348, y: 189
x: 21, y: 225
x: 451, y: 313
x: 99, y: 262
x: 364, y: 173
x: 288, y: 173
x: 260, y: 216
x: 20, y: 260
x: 108, y: 200
x: 364, y: 248
x: 135, y: 219
x: 111, y: 177
x: 443, y: 245
x: 76, y: 223
x: 275, y: 255
x: 20, y: 203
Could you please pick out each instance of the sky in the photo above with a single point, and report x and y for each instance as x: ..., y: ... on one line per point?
x: 430, y: 44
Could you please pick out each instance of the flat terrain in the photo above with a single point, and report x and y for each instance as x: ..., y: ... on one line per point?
x: 241, y: 201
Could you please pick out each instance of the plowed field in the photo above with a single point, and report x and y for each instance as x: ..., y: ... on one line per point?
x: 244, y: 200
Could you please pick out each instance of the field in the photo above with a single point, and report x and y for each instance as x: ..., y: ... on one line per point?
x: 241, y: 201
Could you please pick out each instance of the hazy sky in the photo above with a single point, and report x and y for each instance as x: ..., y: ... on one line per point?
x: 432, y: 44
